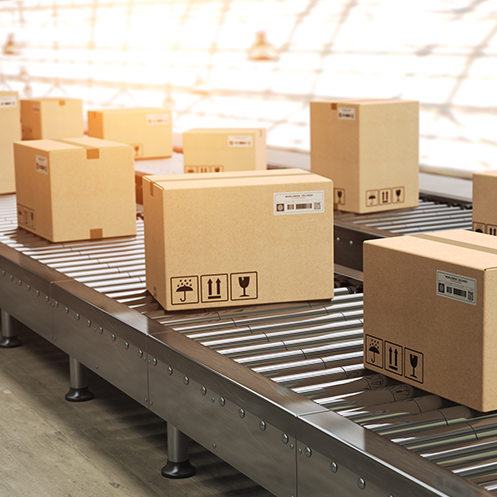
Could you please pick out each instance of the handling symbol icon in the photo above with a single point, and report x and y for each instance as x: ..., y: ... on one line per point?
x: 244, y: 282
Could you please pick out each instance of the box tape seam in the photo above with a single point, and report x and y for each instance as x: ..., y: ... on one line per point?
x: 457, y: 243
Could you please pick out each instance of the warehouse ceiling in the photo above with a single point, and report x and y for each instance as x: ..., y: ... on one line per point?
x: 193, y: 56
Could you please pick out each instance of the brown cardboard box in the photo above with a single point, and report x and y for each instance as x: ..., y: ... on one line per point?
x: 51, y: 118
x: 214, y: 150
x: 147, y: 130
x: 75, y: 189
x: 430, y: 316
x: 139, y: 186
x: 10, y: 131
x: 485, y: 202
x: 369, y: 148
x: 230, y: 239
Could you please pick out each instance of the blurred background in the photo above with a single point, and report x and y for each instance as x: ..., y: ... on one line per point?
x: 260, y: 63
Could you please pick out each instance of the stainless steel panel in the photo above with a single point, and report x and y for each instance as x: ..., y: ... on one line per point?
x: 267, y: 400
x: 366, y: 459
x: 104, y: 346
x: 105, y: 336
x: 261, y: 450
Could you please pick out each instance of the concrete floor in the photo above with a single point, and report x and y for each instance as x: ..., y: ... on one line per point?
x: 110, y: 446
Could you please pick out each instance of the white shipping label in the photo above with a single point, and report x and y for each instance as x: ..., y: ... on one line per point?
x: 9, y: 101
x: 158, y: 119
x: 299, y: 203
x: 346, y: 113
x: 35, y: 107
x: 454, y: 286
x: 240, y: 141
x: 42, y: 164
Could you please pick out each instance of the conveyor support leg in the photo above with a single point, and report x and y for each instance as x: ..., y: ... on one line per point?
x: 9, y: 333
x: 78, y: 391
x: 178, y: 463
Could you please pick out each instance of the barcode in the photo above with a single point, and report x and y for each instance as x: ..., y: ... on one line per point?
x: 297, y: 203
x: 315, y: 206
x: 470, y: 296
x: 449, y: 289
x: 461, y: 293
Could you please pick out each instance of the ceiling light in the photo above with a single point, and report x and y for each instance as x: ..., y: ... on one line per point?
x: 10, y: 47
x: 262, y: 50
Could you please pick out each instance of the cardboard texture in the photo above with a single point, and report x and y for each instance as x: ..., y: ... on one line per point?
x: 485, y: 202
x: 75, y: 189
x: 214, y: 150
x: 51, y: 118
x: 139, y: 186
x: 430, y: 314
x: 370, y: 149
x: 239, y: 238
x: 10, y: 131
x: 148, y: 130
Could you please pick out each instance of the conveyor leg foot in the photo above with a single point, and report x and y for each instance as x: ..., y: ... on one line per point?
x: 9, y: 334
x: 78, y: 391
x: 177, y: 470
x: 178, y: 464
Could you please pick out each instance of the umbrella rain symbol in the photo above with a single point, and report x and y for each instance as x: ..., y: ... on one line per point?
x: 184, y: 286
x: 374, y: 349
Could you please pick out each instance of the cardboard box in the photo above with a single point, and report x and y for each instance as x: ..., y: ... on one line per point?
x: 238, y: 238
x: 51, y: 118
x: 147, y: 130
x: 10, y: 131
x: 75, y: 189
x: 139, y: 186
x: 370, y: 149
x: 429, y: 313
x: 485, y: 202
x: 214, y: 150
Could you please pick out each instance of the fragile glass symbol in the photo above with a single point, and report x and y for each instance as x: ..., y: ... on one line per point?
x: 414, y: 362
x: 244, y: 282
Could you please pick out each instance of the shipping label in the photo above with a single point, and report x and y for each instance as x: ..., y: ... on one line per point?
x: 299, y: 203
x: 456, y: 287
x: 8, y: 101
x: 158, y: 119
x: 346, y: 113
x: 35, y: 107
x: 240, y: 141
x: 42, y: 164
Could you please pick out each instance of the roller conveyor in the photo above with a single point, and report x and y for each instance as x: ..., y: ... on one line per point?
x: 278, y: 391
x: 431, y: 215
